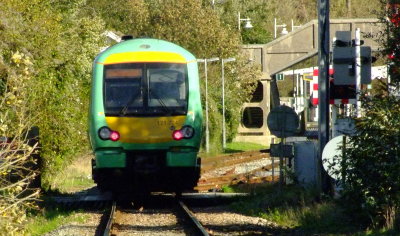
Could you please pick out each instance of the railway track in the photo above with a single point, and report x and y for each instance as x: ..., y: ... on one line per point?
x: 197, y: 227
x: 113, y: 223
x: 244, y: 167
x: 110, y: 220
x: 232, y: 159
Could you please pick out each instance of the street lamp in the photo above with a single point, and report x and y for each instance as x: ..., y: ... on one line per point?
x: 205, y: 75
x: 223, y: 61
x: 248, y: 24
x: 284, y: 30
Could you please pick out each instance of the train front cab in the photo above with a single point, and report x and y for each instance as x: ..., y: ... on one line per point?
x: 145, y: 122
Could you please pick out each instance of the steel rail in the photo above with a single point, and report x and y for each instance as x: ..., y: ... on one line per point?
x: 200, y: 230
x: 107, y: 230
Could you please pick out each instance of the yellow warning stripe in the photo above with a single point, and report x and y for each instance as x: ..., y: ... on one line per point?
x: 128, y: 57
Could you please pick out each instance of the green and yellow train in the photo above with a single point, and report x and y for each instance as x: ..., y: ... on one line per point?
x: 145, y: 121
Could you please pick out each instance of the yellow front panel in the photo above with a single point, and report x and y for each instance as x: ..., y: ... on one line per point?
x: 145, y: 129
x: 126, y: 57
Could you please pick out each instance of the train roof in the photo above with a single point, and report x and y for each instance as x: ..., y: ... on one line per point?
x: 145, y: 50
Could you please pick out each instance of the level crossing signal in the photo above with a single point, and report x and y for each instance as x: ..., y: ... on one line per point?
x: 344, y: 60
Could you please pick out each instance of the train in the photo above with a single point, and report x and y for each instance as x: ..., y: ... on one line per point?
x: 145, y: 117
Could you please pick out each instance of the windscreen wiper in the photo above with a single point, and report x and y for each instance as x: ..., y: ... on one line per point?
x: 159, y: 99
x: 125, y: 108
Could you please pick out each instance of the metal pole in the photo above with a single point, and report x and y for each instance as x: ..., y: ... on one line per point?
x: 223, y: 106
x: 281, y: 162
x: 292, y: 25
x: 206, y: 85
x: 239, y: 21
x: 273, y: 169
x: 207, y: 129
x: 223, y: 99
x: 274, y: 28
x: 334, y: 120
x: 297, y: 93
x: 357, y: 71
x: 323, y: 83
x: 302, y: 82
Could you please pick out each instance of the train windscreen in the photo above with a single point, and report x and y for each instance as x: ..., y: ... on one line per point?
x: 145, y: 89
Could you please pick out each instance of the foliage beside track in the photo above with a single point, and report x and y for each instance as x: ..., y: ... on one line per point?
x: 371, y: 192
x: 371, y: 167
x: 297, y: 210
x: 61, y: 38
x: 16, y: 156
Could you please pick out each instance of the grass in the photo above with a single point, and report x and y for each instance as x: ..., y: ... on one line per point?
x: 75, y: 177
x: 240, y: 147
x: 228, y: 189
x: 51, y: 219
x: 233, y: 148
x: 296, y: 208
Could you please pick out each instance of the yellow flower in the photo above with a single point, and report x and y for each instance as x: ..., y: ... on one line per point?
x: 17, y: 57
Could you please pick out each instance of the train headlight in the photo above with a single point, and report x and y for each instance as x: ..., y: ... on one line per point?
x: 177, y: 135
x: 104, y: 133
x: 187, y: 131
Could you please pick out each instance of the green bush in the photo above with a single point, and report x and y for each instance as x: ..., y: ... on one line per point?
x: 371, y: 167
x: 372, y: 177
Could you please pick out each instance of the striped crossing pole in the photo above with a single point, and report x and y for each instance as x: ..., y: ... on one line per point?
x: 331, y: 101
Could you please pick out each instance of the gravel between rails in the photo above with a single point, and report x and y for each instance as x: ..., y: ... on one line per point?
x: 147, y: 222
x: 220, y: 220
